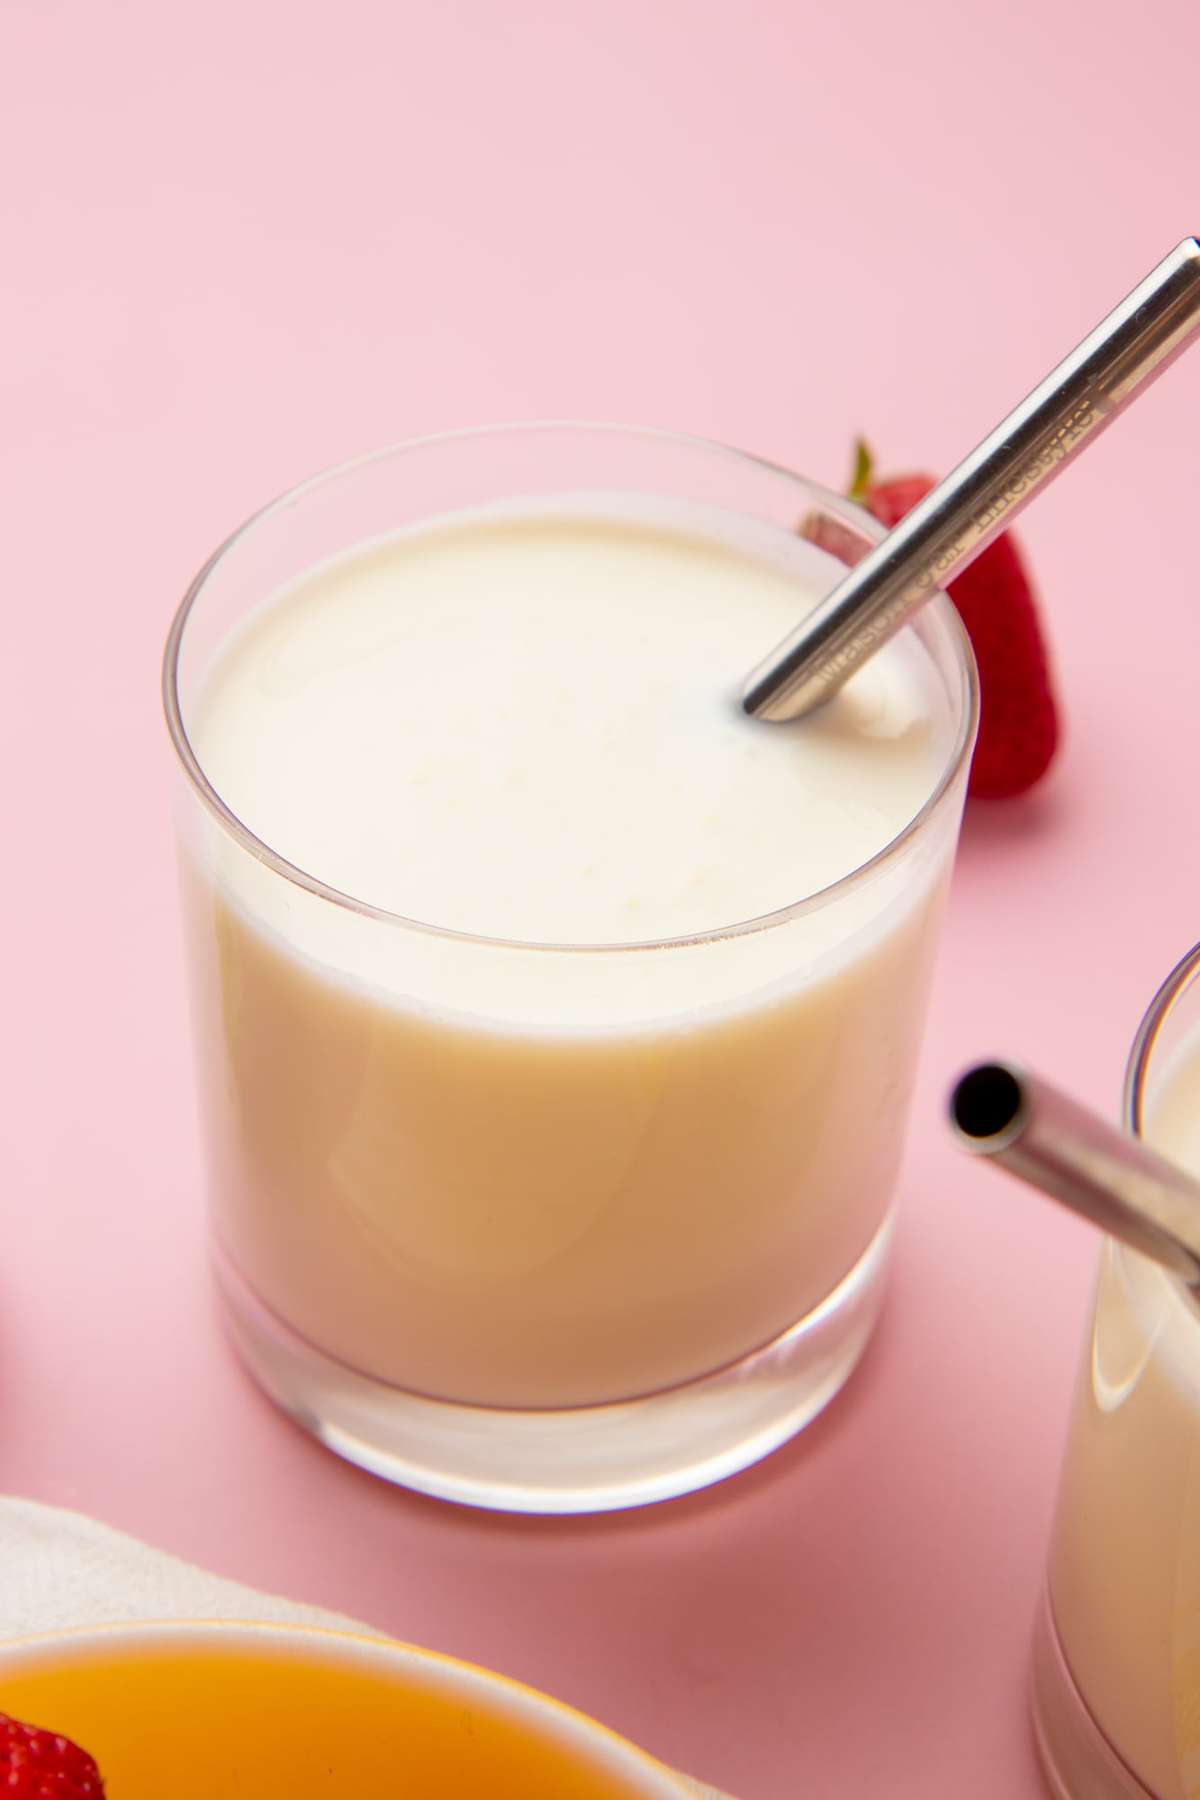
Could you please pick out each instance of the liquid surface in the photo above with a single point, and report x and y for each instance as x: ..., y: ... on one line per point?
x: 527, y: 727
x: 303, y: 1725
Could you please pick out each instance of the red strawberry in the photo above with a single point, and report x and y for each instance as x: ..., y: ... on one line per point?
x: 1018, y: 720
x: 40, y: 1765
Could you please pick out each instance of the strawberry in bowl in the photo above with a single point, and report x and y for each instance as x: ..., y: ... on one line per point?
x: 42, y: 1765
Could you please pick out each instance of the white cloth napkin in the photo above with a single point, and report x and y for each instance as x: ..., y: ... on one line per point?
x: 59, y: 1570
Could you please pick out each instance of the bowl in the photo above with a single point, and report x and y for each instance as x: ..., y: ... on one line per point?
x: 200, y: 1711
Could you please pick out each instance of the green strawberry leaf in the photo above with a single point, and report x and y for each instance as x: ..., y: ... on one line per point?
x: 864, y: 468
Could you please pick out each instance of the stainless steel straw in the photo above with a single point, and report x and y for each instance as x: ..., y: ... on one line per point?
x: 1071, y: 1153
x: 950, y: 527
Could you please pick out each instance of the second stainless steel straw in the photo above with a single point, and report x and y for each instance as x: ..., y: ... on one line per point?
x: 1052, y: 1142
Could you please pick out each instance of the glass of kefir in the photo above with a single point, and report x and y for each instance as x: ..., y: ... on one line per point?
x: 556, y: 1022
x: 1117, y: 1652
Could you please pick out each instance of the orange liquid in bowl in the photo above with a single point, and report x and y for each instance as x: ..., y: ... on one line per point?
x: 201, y: 1723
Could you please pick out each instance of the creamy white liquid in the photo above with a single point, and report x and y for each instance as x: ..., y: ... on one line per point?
x: 1125, y: 1563
x: 519, y: 1176
x: 527, y: 728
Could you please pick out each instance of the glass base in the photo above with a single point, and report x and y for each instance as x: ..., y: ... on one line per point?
x: 582, y: 1460
x: 1079, y: 1761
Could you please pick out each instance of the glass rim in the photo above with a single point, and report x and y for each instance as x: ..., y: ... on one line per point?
x: 1137, y: 1068
x: 840, y: 507
x: 1133, y: 1100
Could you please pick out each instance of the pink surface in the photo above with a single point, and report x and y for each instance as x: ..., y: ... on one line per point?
x: 243, y: 241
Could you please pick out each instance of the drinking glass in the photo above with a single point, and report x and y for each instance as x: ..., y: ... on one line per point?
x: 1117, y: 1648
x: 589, y: 1240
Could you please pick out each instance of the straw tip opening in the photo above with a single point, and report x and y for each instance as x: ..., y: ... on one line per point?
x: 986, y: 1102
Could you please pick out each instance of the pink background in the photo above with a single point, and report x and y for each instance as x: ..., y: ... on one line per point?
x: 244, y: 240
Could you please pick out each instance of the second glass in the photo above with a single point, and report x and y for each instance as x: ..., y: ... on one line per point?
x: 1117, y: 1656
x: 514, y: 1219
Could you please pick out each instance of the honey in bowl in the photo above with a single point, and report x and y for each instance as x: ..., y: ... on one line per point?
x: 204, y: 1711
